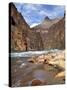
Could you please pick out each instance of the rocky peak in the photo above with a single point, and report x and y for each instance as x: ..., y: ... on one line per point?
x: 12, y: 6
x: 19, y: 30
x: 47, y: 18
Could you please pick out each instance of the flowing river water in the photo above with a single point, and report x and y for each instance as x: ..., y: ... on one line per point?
x: 25, y: 73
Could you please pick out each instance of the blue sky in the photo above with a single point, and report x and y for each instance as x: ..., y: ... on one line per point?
x: 35, y: 13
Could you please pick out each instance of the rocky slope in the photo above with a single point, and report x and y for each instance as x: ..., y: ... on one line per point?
x: 22, y: 37
x: 53, y: 36
x: 18, y: 30
x: 46, y: 23
x: 49, y: 34
x: 57, y: 35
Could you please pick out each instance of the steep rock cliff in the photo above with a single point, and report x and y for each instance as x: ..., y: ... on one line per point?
x: 22, y: 37
x: 53, y: 36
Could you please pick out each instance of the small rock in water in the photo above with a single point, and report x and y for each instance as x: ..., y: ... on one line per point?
x: 36, y: 82
x: 19, y: 61
x: 45, y: 61
x: 40, y: 59
x: 31, y: 61
x: 22, y: 65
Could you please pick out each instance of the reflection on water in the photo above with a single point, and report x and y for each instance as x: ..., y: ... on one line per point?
x: 41, y: 74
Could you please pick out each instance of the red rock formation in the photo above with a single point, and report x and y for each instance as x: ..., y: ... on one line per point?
x: 54, y: 34
x: 36, y: 82
x: 18, y: 30
x: 22, y: 37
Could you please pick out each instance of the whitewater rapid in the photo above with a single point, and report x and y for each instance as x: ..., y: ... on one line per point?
x: 32, y: 53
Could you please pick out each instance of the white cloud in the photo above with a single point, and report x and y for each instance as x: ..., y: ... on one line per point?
x: 42, y: 12
x: 32, y: 11
x: 33, y: 7
x: 29, y: 7
x: 52, y: 14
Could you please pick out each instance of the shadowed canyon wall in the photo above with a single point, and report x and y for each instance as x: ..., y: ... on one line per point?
x: 24, y: 38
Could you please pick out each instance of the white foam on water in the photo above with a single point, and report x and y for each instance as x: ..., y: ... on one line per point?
x: 32, y: 53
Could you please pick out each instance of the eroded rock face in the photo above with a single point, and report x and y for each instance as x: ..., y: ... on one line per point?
x: 52, y: 33
x: 18, y: 40
x: 22, y: 37
x: 19, y: 30
x: 34, y: 41
x: 57, y: 35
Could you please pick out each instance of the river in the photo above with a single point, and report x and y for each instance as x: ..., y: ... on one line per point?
x: 24, y: 73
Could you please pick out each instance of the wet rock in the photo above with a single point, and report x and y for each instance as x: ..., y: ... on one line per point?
x: 61, y: 74
x: 19, y: 61
x: 36, y: 82
x: 59, y: 78
x: 40, y: 59
x: 31, y: 61
x: 45, y: 61
x: 22, y: 65
x: 56, y: 58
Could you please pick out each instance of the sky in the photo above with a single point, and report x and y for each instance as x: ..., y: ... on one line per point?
x: 35, y: 13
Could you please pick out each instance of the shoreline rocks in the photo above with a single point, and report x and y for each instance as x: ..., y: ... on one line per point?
x: 56, y: 58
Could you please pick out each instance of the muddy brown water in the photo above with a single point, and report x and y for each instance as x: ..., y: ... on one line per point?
x: 24, y: 72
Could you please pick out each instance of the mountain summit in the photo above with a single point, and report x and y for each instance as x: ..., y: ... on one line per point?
x: 47, y: 18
